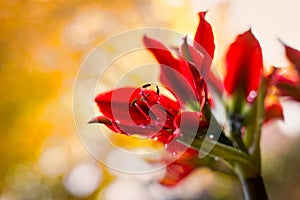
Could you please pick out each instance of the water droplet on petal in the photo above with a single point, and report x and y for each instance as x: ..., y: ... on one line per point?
x: 217, y: 158
x: 142, y: 126
x: 252, y: 95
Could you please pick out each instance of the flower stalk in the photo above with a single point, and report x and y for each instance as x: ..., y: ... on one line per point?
x: 253, y: 187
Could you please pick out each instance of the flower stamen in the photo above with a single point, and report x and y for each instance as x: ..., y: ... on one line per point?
x: 134, y: 103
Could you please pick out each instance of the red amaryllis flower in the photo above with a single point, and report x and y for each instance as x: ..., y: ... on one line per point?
x: 244, y: 66
x: 148, y: 113
x: 244, y: 70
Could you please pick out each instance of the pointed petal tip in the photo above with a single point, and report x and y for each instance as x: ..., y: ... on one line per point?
x: 293, y: 55
x: 286, y: 46
x: 204, y: 35
x: 93, y: 121
x: 281, y: 41
x: 101, y: 120
x: 202, y: 14
x: 248, y: 31
x: 146, y: 40
x: 185, y: 38
x: 145, y: 37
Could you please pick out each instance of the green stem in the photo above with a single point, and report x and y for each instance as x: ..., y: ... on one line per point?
x: 253, y: 188
x: 217, y: 150
x: 239, y: 142
x: 252, y: 183
x: 242, y: 164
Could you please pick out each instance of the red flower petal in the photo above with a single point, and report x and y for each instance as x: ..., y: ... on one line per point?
x: 137, y: 111
x: 273, y: 111
x: 294, y: 56
x: 101, y: 120
x: 204, y: 35
x: 175, y: 73
x: 288, y: 88
x: 244, y: 65
x: 104, y: 120
x: 161, y: 52
x: 190, y: 123
x: 115, y: 105
x: 199, y: 70
x: 195, y: 59
x: 150, y: 131
x: 180, y: 168
x: 192, y: 55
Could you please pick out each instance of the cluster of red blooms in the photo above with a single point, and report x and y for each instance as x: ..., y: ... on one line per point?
x: 244, y: 79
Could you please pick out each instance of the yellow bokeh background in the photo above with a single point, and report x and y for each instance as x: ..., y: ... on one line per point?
x: 42, y: 46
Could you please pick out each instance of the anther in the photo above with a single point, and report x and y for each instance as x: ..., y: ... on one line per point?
x: 146, y: 85
x: 157, y: 90
x: 133, y: 102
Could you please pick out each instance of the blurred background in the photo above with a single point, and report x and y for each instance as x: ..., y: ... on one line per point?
x: 43, y: 43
